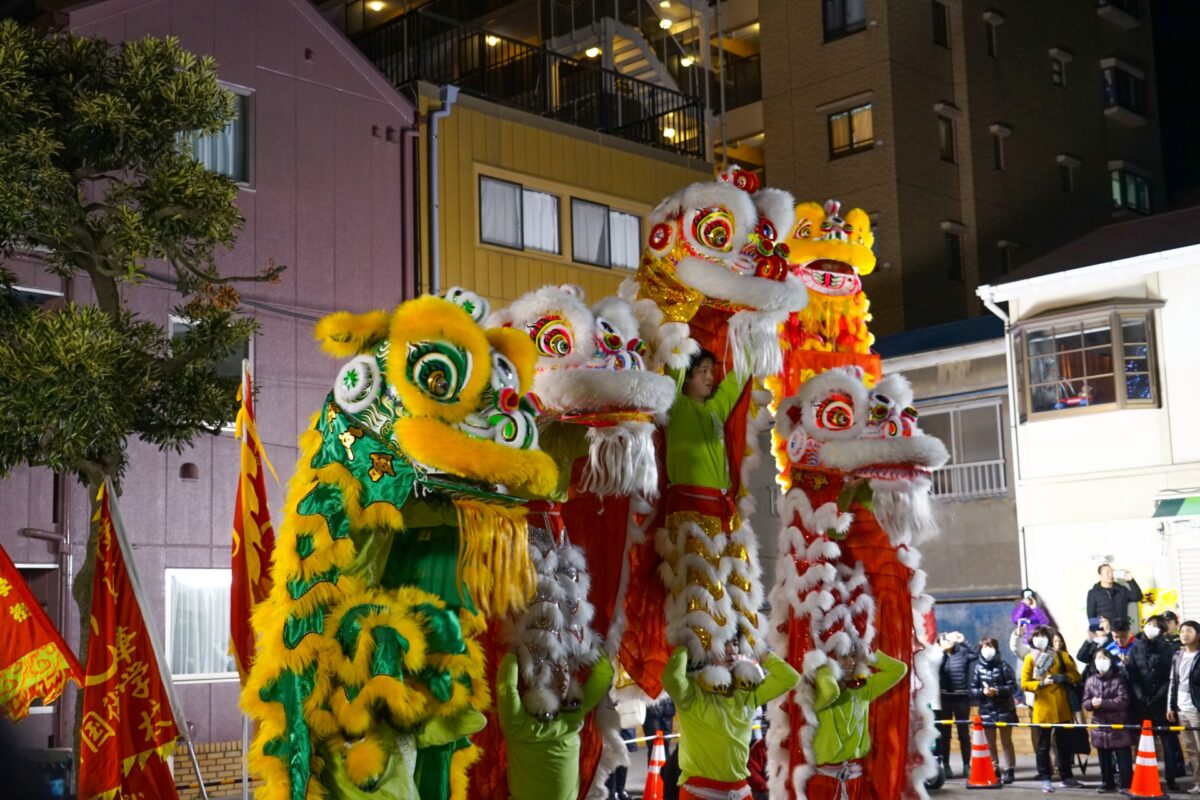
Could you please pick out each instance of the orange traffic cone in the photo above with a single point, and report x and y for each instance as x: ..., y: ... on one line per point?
x: 654, y: 779
x: 982, y: 775
x: 1145, y: 768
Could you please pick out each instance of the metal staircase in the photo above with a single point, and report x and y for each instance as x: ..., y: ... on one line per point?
x: 623, y: 48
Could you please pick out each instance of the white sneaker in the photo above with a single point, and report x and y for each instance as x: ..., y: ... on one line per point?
x: 1047, y: 787
x: 1195, y: 789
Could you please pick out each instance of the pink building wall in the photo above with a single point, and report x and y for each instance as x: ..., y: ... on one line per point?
x: 331, y: 196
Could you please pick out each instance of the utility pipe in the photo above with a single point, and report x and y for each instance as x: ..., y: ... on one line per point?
x: 448, y: 96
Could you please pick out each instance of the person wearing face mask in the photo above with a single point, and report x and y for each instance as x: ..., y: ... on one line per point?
x: 1183, y: 693
x: 955, y: 678
x: 1098, y: 638
x: 1046, y: 673
x: 1106, y: 695
x: 1149, y: 668
x: 993, y: 686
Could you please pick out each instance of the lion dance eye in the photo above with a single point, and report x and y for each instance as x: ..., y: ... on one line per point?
x: 714, y: 229
x: 438, y: 369
x: 660, y: 237
x: 552, y: 336
x: 835, y: 413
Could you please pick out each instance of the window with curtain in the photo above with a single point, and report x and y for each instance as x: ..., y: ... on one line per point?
x: 198, y: 623
x: 511, y: 215
x: 625, y: 237
x: 843, y: 17
x: 1088, y: 361
x: 228, y: 151
x: 851, y: 131
x: 589, y: 233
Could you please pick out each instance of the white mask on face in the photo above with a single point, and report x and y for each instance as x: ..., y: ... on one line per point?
x: 1102, y: 665
x: 988, y: 653
x: 1041, y: 642
x: 1152, y: 631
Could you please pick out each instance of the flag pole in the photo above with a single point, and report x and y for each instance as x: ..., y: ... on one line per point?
x: 152, y: 630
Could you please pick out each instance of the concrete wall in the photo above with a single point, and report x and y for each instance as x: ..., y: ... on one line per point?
x: 328, y: 199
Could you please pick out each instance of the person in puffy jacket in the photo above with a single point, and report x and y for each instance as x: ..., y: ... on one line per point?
x: 955, y: 679
x: 1149, y: 668
x: 1046, y: 673
x: 1109, y: 598
x: 993, y: 687
x: 1106, y: 694
x: 1029, y: 613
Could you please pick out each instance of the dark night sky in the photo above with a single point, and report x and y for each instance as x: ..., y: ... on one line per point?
x: 1177, y: 56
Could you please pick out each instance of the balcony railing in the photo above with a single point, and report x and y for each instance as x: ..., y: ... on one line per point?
x: 968, y: 481
x: 425, y: 46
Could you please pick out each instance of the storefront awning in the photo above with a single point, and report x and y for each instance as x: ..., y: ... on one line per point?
x: 1187, y: 506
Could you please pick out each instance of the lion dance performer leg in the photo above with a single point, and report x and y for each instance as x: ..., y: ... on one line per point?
x: 403, y: 528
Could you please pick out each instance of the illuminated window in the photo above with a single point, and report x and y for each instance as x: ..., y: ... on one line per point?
x: 851, y: 131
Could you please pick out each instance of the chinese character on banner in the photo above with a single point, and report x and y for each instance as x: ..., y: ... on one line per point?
x: 35, y: 662
x: 127, y: 730
x: 253, y: 537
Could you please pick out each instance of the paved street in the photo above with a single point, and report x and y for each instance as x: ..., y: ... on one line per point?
x: 1026, y: 787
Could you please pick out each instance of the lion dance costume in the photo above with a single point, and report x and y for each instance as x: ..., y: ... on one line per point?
x: 403, y: 529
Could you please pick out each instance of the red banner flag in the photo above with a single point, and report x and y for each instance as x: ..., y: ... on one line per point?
x: 253, y: 536
x: 34, y: 660
x: 128, y: 727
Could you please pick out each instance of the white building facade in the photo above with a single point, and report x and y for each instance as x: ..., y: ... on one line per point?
x: 1104, y: 410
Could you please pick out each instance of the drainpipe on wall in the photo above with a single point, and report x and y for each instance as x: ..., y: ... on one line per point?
x: 410, y: 165
x: 1014, y: 411
x: 448, y: 96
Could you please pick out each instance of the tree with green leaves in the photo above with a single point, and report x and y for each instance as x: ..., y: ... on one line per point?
x: 98, y: 185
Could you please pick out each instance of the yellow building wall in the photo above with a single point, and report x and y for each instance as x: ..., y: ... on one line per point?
x: 483, y: 139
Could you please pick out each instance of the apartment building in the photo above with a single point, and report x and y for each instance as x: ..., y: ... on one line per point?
x: 979, y: 135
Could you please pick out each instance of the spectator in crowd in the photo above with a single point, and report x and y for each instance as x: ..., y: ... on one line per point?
x: 758, y: 770
x: 1107, y: 695
x: 1109, y: 598
x: 660, y: 716
x: 1028, y: 614
x: 993, y: 687
x: 1183, y: 694
x: 632, y: 712
x: 1149, y: 669
x: 955, y: 678
x: 1122, y: 639
x: 1046, y: 673
x: 1099, y: 635
x: 1171, y: 634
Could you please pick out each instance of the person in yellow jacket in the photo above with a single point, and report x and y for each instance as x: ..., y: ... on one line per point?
x: 1049, y: 675
x: 714, y: 743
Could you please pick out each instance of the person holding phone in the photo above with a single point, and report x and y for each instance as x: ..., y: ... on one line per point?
x: 1111, y: 599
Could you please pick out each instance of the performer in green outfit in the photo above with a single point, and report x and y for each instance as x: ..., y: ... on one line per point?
x: 710, y: 555
x: 843, y: 715
x: 543, y: 754
x: 714, y: 746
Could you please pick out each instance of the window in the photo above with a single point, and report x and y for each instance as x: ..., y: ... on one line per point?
x: 511, y: 215
x: 843, y: 17
x: 227, y: 152
x: 991, y: 39
x: 946, y: 138
x: 604, y: 237
x: 941, y: 24
x: 1058, y: 72
x: 1005, y: 254
x: 1066, y: 178
x: 1100, y: 357
x: 198, y: 624
x: 1130, y: 190
x: 228, y: 367
x: 954, y: 255
x: 851, y: 131
x: 999, y: 133
x: 973, y: 435
x: 1125, y: 89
